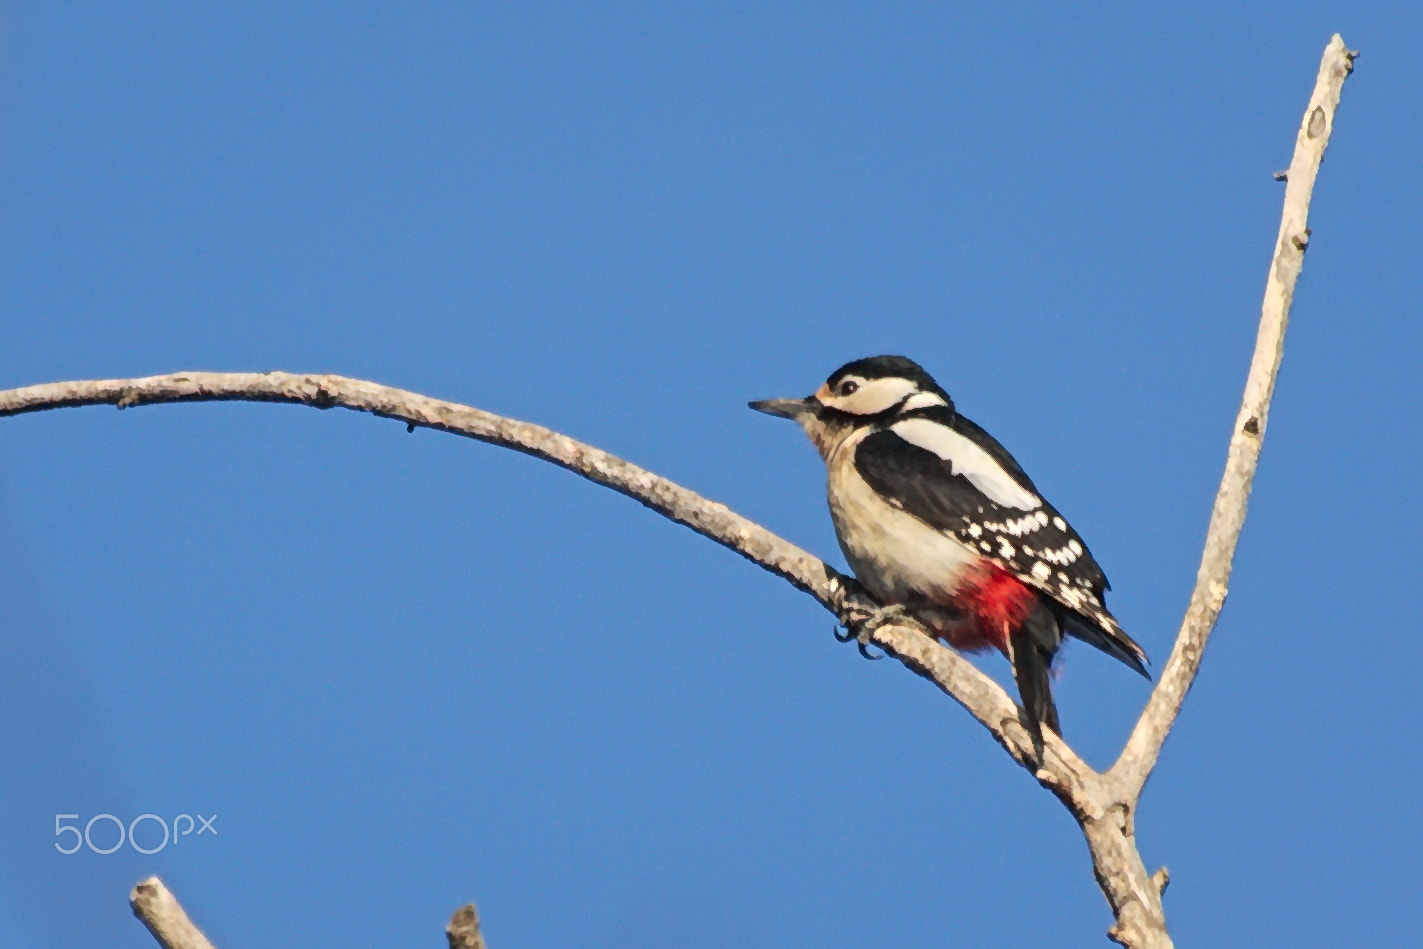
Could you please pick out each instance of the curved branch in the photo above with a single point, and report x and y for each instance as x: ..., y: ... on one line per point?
x: 328, y: 391
x: 1062, y: 771
x: 1143, y: 748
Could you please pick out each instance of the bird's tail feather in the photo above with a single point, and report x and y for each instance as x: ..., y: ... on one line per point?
x: 1107, y: 636
x: 1033, y: 644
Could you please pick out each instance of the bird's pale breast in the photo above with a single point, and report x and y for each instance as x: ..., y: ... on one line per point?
x: 894, y: 554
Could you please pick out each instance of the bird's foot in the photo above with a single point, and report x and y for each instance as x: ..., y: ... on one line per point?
x: 861, y: 626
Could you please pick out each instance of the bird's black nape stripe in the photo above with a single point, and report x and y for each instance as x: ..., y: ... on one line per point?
x: 832, y: 414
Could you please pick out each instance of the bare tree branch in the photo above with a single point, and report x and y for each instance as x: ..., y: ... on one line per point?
x: 1103, y: 805
x: 161, y: 913
x: 159, y: 910
x: 840, y: 594
x: 1139, y: 756
x: 326, y: 391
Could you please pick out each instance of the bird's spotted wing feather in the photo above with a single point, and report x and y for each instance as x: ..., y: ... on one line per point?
x: 953, y: 476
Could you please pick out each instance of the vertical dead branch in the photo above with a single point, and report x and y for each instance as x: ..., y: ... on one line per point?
x: 1139, y: 756
x: 1134, y: 896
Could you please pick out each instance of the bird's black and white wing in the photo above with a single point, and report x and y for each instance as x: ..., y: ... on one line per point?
x: 950, y: 474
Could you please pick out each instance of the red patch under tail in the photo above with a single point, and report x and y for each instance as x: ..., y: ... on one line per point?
x: 997, y: 602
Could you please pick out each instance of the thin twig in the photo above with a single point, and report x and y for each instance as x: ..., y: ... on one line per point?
x: 1139, y: 756
x: 160, y: 911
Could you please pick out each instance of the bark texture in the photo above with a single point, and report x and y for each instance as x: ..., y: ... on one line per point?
x: 463, y: 931
x: 161, y: 913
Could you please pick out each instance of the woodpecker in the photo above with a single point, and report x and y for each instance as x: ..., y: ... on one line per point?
x: 939, y: 522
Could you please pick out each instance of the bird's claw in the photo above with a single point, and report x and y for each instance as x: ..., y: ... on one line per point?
x: 861, y: 627
x: 861, y: 639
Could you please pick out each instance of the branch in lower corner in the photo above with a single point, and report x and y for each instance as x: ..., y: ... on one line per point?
x: 463, y: 931
x: 160, y: 911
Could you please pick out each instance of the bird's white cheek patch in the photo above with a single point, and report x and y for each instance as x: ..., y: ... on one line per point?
x: 873, y: 396
x: 967, y: 459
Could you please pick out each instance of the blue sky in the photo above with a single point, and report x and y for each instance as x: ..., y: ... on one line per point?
x: 407, y: 671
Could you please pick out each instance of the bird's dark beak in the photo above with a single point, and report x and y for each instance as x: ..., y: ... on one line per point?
x: 786, y: 408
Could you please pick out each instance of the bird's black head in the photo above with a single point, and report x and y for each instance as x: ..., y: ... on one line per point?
x: 878, y: 384
x: 858, y: 391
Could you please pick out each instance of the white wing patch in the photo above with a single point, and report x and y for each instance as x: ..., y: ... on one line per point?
x: 967, y: 459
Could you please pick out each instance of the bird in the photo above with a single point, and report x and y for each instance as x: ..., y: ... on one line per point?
x: 942, y: 525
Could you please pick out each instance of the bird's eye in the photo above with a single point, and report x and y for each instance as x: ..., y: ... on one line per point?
x: 849, y: 387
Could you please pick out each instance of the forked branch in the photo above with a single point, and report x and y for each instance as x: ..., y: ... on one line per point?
x: 1104, y: 805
